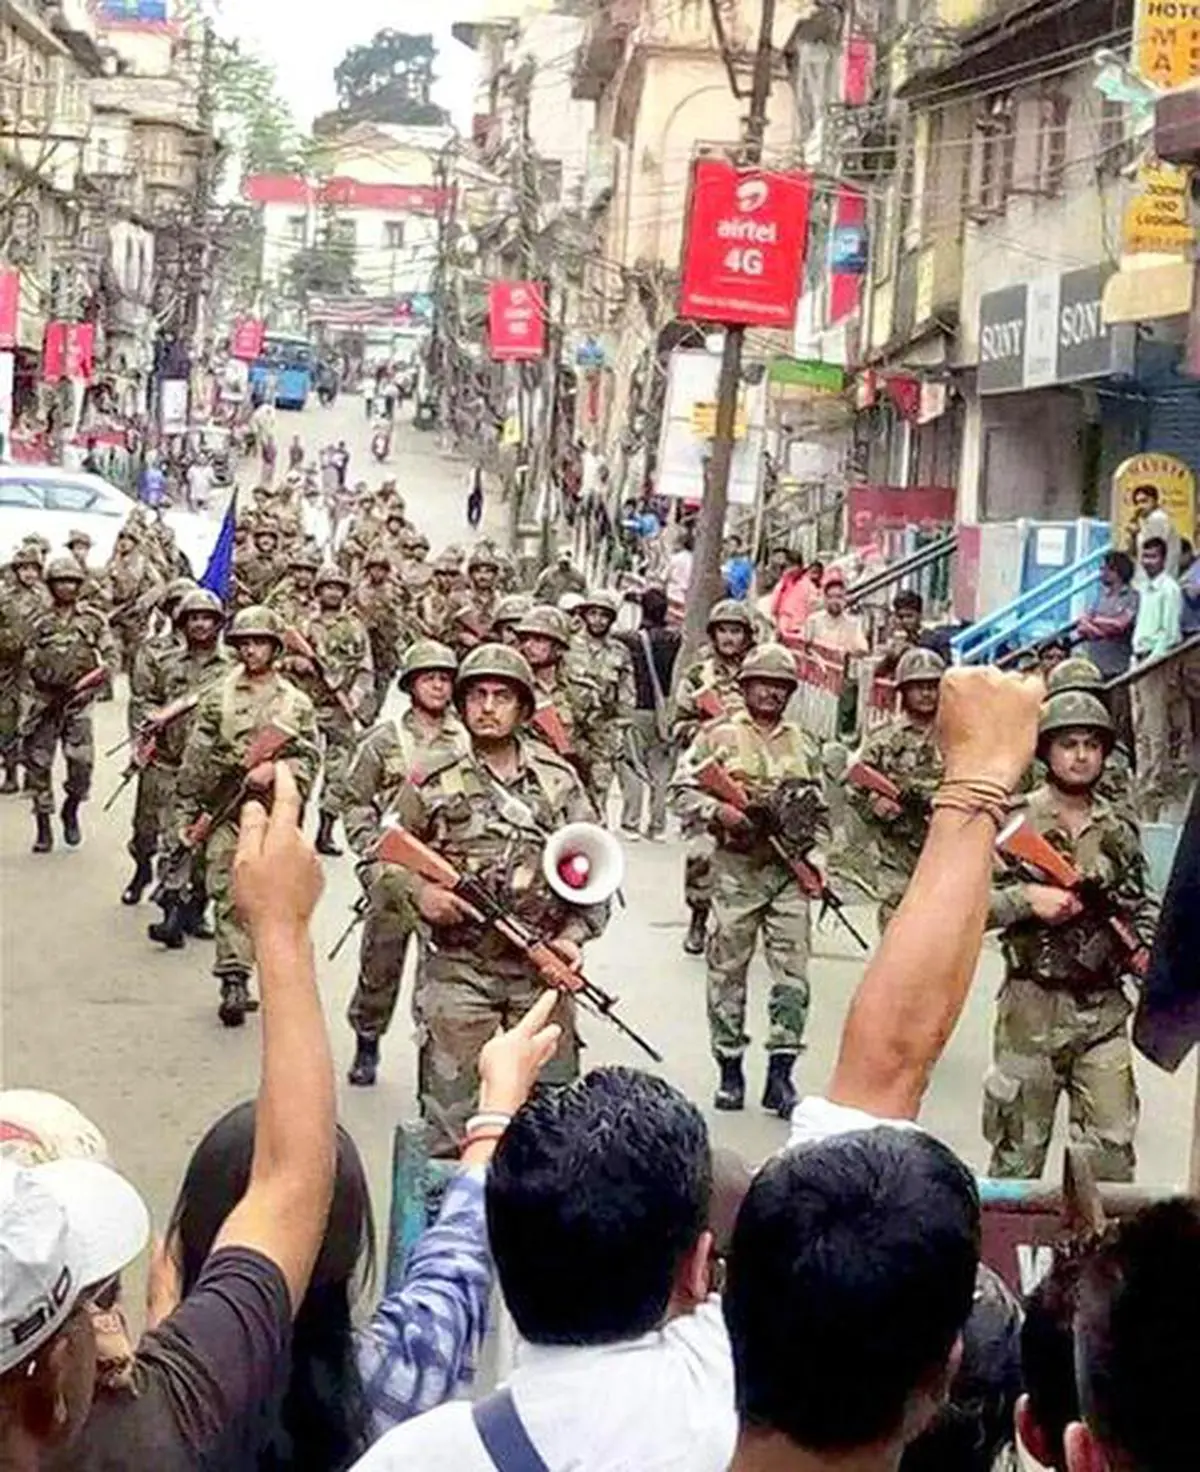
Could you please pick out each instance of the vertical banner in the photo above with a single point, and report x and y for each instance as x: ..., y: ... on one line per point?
x: 848, y: 253
x: 246, y: 343
x: 79, y: 358
x: 517, y: 321
x: 10, y: 306
x: 54, y: 352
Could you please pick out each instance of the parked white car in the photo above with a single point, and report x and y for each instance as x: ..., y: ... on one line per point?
x: 55, y: 502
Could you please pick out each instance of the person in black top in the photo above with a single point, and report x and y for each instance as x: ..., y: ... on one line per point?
x: 649, y: 756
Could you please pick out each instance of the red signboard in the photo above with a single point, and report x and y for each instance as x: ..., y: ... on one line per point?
x: 81, y: 351
x: 54, y: 352
x: 872, y: 509
x: 517, y: 320
x: 746, y: 238
x: 845, y: 287
x: 247, y: 340
x: 10, y: 306
x: 294, y: 189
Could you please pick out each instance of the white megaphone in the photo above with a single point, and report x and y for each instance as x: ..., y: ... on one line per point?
x: 583, y: 863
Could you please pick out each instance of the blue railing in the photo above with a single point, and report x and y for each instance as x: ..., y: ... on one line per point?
x: 1041, y: 610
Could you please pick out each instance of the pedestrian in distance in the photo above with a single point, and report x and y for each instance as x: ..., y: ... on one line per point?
x: 475, y: 498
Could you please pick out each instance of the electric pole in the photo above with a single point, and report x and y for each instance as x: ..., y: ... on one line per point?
x: 706, y: 585
x: 200, y: 221
x: 528, y: 375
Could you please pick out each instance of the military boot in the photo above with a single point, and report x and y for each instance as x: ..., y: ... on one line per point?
x: 169, y: 930
x: 143, y: 873
x: 11, y: 780
x: 195, y: 916
x: 693, y: 941
x: 70, y: 821
x: 44, y: 841
x: 731, y: 1094
x: 325, y: 841
x: 236, y: 1000
x: 779, y: 1094
x: 366, y: 1062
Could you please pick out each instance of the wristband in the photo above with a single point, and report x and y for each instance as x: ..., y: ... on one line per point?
x: 974, y: 796
x: 481, y: 1136
x: 488, y: 1119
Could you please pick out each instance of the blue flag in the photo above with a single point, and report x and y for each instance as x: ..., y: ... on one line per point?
x: 218, y: 575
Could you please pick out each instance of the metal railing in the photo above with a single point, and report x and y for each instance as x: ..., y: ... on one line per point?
x: 1013, y: 622
x: 898, y: 572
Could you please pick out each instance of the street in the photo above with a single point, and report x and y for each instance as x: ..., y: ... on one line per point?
x: 92, y: 1010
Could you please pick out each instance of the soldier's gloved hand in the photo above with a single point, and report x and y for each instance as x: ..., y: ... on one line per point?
x: 987, y: 724
x: 440, y: 906
x: 1054, y: 906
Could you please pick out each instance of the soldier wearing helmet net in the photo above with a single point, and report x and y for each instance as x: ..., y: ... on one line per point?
x: 598, y: 656
x: 1062, y: 1016
x: 24, y: 598
x: 904, y: 751
x: 378, y: 602
x: 423, y: 737
x: 566, y: 700
x: 292, y: 597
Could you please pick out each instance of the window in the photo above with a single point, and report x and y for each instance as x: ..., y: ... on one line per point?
x: 62, y: 497
x: 18, y: 493
x: 996, y: 146
x: 296, y: 229
x: 393, y: 234
x: 1053, y: 112
x: 344, y: 233
x: 1113, y: 140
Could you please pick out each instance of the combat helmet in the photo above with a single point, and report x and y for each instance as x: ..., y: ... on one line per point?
x: 483, y: 555
x: 1076, y: 673
x: 918, y: 665
x: 770, y: 662
x: 1074, y: 710
x: 199, y: 600
x: 511, y: 609
x: 255, y: 622
x: 304, y: 556
x: 331, y: 573
x: 177, y: 588
x: 377, y: 556
x: 549, y: 622
x: 730, y: 611
x: 445, y: 562
x: 26, y: 555
x: 423, y: 655
x: 65, y: 570
x: 500, y: 662
x: 603, y: 598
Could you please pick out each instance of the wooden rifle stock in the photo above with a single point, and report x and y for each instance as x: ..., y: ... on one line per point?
x: 296, y: 643
x: 870, y: 779
x: 710, y: 705
x: 267, y: 747
x: 549, y: 725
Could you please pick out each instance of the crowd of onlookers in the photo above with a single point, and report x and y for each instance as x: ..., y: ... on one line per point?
x: 826, y: 1313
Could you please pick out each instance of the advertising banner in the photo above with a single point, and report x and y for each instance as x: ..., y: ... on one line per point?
x: 517, y: 321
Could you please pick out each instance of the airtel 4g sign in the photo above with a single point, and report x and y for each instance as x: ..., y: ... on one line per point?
x: 743, y: 254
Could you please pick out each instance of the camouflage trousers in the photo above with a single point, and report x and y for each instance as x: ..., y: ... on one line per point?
x: 1048, y: 1043
x: 74, y: 733
x: 10, y: 713
x: 459, y: 1002
x: 602, y: 771
x: 388, y: 927
x: 127, y: 637
x: 235, y: 949
x: 750, y: 899
x: 338, y: 743
x: 151, y: 810
x: 697, y: 864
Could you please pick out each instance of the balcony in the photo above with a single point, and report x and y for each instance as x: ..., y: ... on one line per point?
x: 607, y: 30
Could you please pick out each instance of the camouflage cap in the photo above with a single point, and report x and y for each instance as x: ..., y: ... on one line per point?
x: 547, y: 622
x: 377, y: 556
x: 498, y: 662
x: 331, y: 573
x: 1075, y: 673
x: 730, y: 611
x: 511, y: 609
x: 35, y: 539
x: 78, y: 538
x: 65, y: 570
x: 199, y: 600
x: 570, y: 602
x: 603, y: 598
x: 444, y: 562
x: 304, y: 556
x: 769, y: 662
x: 424, y: 655
x: 1074, y: 710
x: 255, y: 622
x: 917, y: 665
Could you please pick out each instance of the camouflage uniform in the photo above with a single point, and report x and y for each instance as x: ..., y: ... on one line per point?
x: 256, y: 576
x: 19, y: 608
x: 130, y: 582
x: 557, y: 579
x: 1062, y: 1010
x: 606, y: 664
x: 569, y: 693
x: 470, y: 981
x: 753, y: 891
x: 379, y: 608
x: 386, y: 757
x: 290, y: 599
x: 1116, y: 784
x: 436, y: 605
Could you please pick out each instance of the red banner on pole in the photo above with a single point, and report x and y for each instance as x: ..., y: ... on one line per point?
x: 247, y: 340
x: 81, y: 351
x: 54, y: 352
x: 517, y: 320
x: 10, y: 306
x: 743, y: 254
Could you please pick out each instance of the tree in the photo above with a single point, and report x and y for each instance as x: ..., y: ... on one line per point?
x: 325, y: 268
x: 388, y: 80
x: 264, y: 132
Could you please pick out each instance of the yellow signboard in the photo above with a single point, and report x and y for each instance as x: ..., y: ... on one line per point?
x: 1166, y: 41
x: 1157, y: 219
x: 1174, y: 485
x: 704, y: 421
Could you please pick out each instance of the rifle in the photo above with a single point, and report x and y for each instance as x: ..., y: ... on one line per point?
x: 295, y: 643
x: 358, y: 913
x: 710, y: 705
x: 549, y: 725
x: 712, y: 778
x: 398, y: 846
x: 145, y: 749
x: 266, y: 748
x: 76, y: 695
x: 157, y: 722
x: 870, y: 779
x: 1022, y: 845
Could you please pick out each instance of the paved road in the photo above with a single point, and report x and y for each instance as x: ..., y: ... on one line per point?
x: 89, y: 1008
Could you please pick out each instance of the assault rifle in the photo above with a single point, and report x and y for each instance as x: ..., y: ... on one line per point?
x: 75, y: 696
x: 549, y: 725
x: 398, y: 846
x: 234, y: 787
x: 790, y: 843
x: 295, y: 643
x: 870, y: 779
x: 157, y: 722
x: 1022, y: 845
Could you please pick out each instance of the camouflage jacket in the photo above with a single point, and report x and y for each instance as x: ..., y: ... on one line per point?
x: 20, y: 607
x: 342, y: 646
x: 255, y: 578
x: 381, y: 611
x: 467, y: 815
x: 64, y: 645
x: 181, y: 671
x: 433, y: 612
x: 906, y: 753
x: 1084, y: 953
x: 145, y: 676
x: 758, y: 760
x: 290, y: 602
x: 577, y: 703
x: 556, y: 580
x: 128, y: 580
x: 607, y: 664
x: 709, y: 678
x: 386, y: 757
x: 229, y: 716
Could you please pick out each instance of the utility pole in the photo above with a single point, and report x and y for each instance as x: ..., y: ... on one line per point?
x: 706, y: 585
x: 528, y: 374
x: 200, y: 222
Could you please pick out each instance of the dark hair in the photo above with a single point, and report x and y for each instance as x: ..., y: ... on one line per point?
x: 1137, y: 1338
x: 1156, y: 542
x: 1048, y: 1350
x: 908, y: 598
x: 852, y: 1274
x: 976, y: 1423
x: 322, y: 1423
x: 1121, y: 563
x: 1145, y: 490
x: 654, y: 607
x: 595, y: 1195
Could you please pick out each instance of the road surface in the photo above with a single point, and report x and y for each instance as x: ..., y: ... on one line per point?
x: 89, y: 1008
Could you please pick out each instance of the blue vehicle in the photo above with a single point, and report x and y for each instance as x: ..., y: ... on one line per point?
x: 290, y: 363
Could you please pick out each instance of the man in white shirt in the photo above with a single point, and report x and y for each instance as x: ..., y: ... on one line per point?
x: 679, y: 572
x: 199, y: 484
x: 834, y: 627
x: 597, y: 1204
x: 1156, y: 631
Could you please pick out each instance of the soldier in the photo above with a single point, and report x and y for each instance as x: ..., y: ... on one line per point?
x: 481, y: 597
x: 424, y: 736
x: 376, y: 600
x: 708, y: 690
x: 569, y: 700
x: 340, y: 692
x: 193, y: 660
x: 754, y: 891
x: 469, y: 980
x: 66, y: 641
x: 510, y: 610
x: 154, y: 648
x: 436, y: 604
x: 293, y: 597
x: 604, y: 660
x: 129, y: 586
x: 1062, y: 1012
x: 903, y: 750
x: 562, y: 576
x: 79, y: 545
x: 1116, y: 783
x: 231, y: 713
x: 257, y: 575
x: 24, y: 599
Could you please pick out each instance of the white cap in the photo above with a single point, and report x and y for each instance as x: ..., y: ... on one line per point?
x: 36, y: 1126
x: 64, y: 1227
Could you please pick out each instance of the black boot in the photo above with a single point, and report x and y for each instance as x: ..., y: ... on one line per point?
x: 366, y: 1062
x: 143, y: 873
x: 70, y: 821
x: 195, y: 918
x: 693, y: 941
x: 44, y: 841
x: 731, y: 1094
x: 325, y: 842
x: 11, y: 782
x: 169, y: 930
x: 779, y: 1095
x: 236, y: 1000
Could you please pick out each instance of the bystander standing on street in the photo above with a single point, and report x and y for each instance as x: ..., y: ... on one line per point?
x: 1155, y: 633
x: 645, y: 770
x: 1106, y: 632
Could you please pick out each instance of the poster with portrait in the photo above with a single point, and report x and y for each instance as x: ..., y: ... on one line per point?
x: 1170, y: 511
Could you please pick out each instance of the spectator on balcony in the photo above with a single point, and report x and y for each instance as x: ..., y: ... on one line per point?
x: 1106, y: 634
x: 1150, y: 520
x: 834, y: 626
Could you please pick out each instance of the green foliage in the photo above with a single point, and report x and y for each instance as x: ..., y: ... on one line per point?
x: 264, y: 131
x: 387, y: 80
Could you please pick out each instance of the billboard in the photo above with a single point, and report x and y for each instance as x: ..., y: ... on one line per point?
x: 688, y: 419
x: 516, y: 321
x: 132, y: 12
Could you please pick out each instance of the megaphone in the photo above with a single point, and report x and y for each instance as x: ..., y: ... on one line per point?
x: 583, y: 863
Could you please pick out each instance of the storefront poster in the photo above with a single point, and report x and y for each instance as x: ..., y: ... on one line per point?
x: 1171, y: 478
